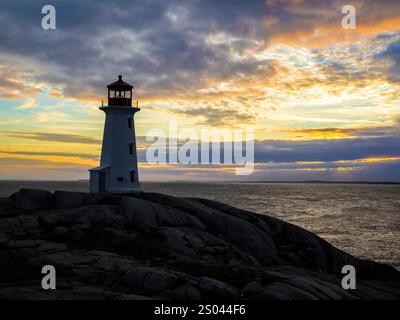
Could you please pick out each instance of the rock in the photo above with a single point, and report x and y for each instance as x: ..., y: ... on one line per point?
x: 61, y: 230
x: 110, y: 220
x: 283, y: 291
x: 234, y: 262
x: 67, y: 200
x: 101, y: 253
x: 45, y: 246
x: 114, y: 264
x: 4, y: 238
x: 51, y: 219
x: 84, y: 220
x: 245, y: 235
x: 81, y: 258
x: 181, y: 292
x: 18, y: 225
x: 252, y: 288
x: 173, y: 217
x: 139, y: 213
x: 116, y: 232
x: 15, y: 244
x: 28, y: 222
x: 80, y: 292
x: 99, y: 215
x: 149, y: 280
x: 322, y: 289
x: 194, y: 242
x: 39, y: 245
x: 102, y: 199
x: 79, y: 227
x: 193, y: 208
x: 32, y: 199
x: 6, y: 203
x: 203, y: 241
x: 212, y: 288
x: 312, y: 246
x: 63, y: 259
x: 147, y: 214
x: 175, y: 240
x: 210, y: 258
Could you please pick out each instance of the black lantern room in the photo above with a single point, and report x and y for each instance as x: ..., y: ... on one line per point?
x: 120, y: 93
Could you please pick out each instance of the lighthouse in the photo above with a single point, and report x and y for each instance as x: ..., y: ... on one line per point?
x: 118, y: 170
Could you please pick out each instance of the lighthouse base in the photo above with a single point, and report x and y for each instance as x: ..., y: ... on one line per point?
x: 101, y: 182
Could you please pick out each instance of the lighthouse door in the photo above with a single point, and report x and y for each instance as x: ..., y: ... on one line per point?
x: 102, y: 181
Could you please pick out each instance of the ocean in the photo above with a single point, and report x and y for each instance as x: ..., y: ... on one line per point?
x: 361, y: 219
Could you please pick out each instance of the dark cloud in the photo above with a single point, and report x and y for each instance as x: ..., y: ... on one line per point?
x: 56, y: 137
x: 326, y: 150
x: 164, y: 47
x: 393, y: 53
x: 62, y: 154
x: 385, y: 36
x: 368, y: 143
x: 161, y: 45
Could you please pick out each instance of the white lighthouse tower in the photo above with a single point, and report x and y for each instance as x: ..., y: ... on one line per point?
x: 118, y: 170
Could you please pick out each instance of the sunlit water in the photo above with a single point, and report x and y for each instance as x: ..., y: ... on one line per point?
x: 361, y: 219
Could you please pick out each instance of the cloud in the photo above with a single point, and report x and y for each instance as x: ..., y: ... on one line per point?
x: 318, y: 23
x: 323, y: 133
x: 12, y: 168
x: 343, y: 133
x: 217, y: 117
x: 279, y: 64
x: 392, y: 52
x: 29, y: 103
x: 163, y: 45
x: 56, y: 137
x: 326, y: 150
x: 49, y: 153
x: 14, y: 88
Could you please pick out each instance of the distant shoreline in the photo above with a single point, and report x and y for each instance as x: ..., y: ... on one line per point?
x: 325, y: 182
x: 232, y: 181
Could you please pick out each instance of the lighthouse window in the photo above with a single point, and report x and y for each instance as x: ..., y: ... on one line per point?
x: 120, y: 179
x: 130, y: 148
x: 130, y: 123
x: 132, y: 176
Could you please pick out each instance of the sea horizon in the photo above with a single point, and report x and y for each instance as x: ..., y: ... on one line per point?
x: 223, y: 181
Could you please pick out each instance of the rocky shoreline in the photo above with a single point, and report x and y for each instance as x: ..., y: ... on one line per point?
x: 155, y: 246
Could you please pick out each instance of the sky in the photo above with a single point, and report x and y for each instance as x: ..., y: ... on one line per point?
x: 323, y: 101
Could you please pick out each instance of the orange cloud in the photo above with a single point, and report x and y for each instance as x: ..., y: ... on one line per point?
x: 320, y: 134
x: 317, y: 27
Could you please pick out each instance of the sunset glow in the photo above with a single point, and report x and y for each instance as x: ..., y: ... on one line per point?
x: 323, y: 101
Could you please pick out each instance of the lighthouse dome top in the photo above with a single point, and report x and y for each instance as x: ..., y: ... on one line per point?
x: 120, y: 93
x: 120, y: 85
